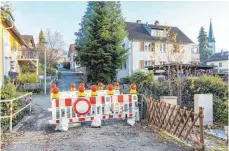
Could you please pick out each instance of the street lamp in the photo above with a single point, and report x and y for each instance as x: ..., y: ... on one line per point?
x: 45, y: 66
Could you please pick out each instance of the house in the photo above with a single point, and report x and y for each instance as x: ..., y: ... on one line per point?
x: 72, y: 53
x: 219, y: 61
x: 148, y: 45
x: 11, y: 45
x: 29, y: 55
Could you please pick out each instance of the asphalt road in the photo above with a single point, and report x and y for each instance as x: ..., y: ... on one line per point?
x: 67, y: 78
x: 34, y: 133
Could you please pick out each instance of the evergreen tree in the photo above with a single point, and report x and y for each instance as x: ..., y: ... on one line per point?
x: 99, y: 41
x: 41, y: 37
x: 203, y: 45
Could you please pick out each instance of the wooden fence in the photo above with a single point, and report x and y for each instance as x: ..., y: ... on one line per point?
x: 177, y: 121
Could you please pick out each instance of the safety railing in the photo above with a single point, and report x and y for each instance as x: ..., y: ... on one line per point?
x: 28, y: 99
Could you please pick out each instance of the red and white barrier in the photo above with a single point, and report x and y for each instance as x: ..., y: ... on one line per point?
x: 79, y: 109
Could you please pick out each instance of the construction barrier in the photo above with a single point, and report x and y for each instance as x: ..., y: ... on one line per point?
x: 86, y: 108
x: 85, y: 105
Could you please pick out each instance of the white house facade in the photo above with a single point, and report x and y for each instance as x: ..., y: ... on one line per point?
x: 219, y: 61
x: 144, y: 48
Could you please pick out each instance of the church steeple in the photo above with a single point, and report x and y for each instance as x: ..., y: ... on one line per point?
x: 211, y: 38
x: 210, y: 34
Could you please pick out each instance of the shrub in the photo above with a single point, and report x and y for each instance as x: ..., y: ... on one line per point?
x: 28, y: 78
x: 66, y: 65
x: 125, y: 80
x: 188, y: 87
x: 8, y: 91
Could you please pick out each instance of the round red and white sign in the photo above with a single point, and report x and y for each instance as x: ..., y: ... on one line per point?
x: 82, y: 106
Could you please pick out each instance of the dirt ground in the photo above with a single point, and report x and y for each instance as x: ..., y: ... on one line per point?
x: 111, y: 137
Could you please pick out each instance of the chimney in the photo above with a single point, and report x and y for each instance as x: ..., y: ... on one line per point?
x: 156, y: 23
x: 139, y: 21
x: 221, y: 52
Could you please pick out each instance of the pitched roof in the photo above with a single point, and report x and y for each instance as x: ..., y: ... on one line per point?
x: 139, y: 32
x: 223, y: 55
x: 210, y: 34
x: 28, y: 39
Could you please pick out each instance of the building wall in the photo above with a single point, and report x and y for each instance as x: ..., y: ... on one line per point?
x: 139, y: 58
x: 10, y: 49
x: 224, y: 67
x: 1, y: 56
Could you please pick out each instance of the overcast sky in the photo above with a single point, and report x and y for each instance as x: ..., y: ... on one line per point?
x: 65, y: 17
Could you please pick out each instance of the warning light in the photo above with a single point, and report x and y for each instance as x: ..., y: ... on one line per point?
x: 100, y: 86
x: 55, y: 92
x: 110, y: 89
x: 116, y: 86
x: 73, y: 87
x: 133, y: 89
x: 93, y: 90
x: 81, y: 92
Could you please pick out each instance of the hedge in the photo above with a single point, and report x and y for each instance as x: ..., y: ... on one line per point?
x: 188, y: 87
x: 27, y: 78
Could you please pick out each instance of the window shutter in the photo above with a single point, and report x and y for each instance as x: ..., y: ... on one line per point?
x: 142, y: 63
x: 153, y: 46
x: 142, y: 46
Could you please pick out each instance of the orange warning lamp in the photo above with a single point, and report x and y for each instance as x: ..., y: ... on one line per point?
x: 81, y: 92
x: 110, y: 89
x: 55, y: 92
x: 116, y: 86
x: 82, y: 84
x: 100, y: 86
x: 73, y: 87
x: 133, y: 88
x: 93, y: 90
x: 53, y: 86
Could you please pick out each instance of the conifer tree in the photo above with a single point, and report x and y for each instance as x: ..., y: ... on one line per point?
x: 99, y: 41
x: 41, y: 37
x: 203, y: 45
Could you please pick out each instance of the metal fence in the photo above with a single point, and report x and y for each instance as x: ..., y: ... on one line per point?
x: 27, y: 97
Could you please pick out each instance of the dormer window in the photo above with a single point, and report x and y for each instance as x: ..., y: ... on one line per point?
x: 157, y: 33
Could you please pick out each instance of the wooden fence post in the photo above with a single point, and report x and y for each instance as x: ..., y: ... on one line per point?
x: 201, y: 122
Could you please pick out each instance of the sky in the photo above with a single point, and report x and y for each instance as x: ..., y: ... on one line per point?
x: 64, y: 17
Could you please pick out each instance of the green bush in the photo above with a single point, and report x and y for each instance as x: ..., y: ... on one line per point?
x: 27, y: 78
x: 187, y: 88
x: 8, y: 91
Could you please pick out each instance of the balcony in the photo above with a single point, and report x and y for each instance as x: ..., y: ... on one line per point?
x: 195, y: 57
x: 28, y: 55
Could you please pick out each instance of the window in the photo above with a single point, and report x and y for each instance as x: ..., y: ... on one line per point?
x: 149, y: 47
x: 220, y: 64
x: 212, y: 64
x: 125, y: 65
x: 164, y: 47
x: 145, y: 47
x: 161, y: 48
x: 148, y: 63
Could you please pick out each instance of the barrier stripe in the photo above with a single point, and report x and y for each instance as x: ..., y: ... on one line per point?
x: 93, y: 100
x: 57, y: 102
x: 81, y: 119
x: 103, y: 99
x: 120, y: 99
x: 68, y: 102
x: 70, y: 120
x: 130, y: 98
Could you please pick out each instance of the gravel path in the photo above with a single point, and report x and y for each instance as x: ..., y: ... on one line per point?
x: 115, y: 137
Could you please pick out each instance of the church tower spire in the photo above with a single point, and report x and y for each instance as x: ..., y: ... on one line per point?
x: 211, y: 38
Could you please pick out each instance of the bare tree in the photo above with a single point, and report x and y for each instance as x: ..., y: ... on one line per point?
x: 55, y: 48
x: 174, y: 54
